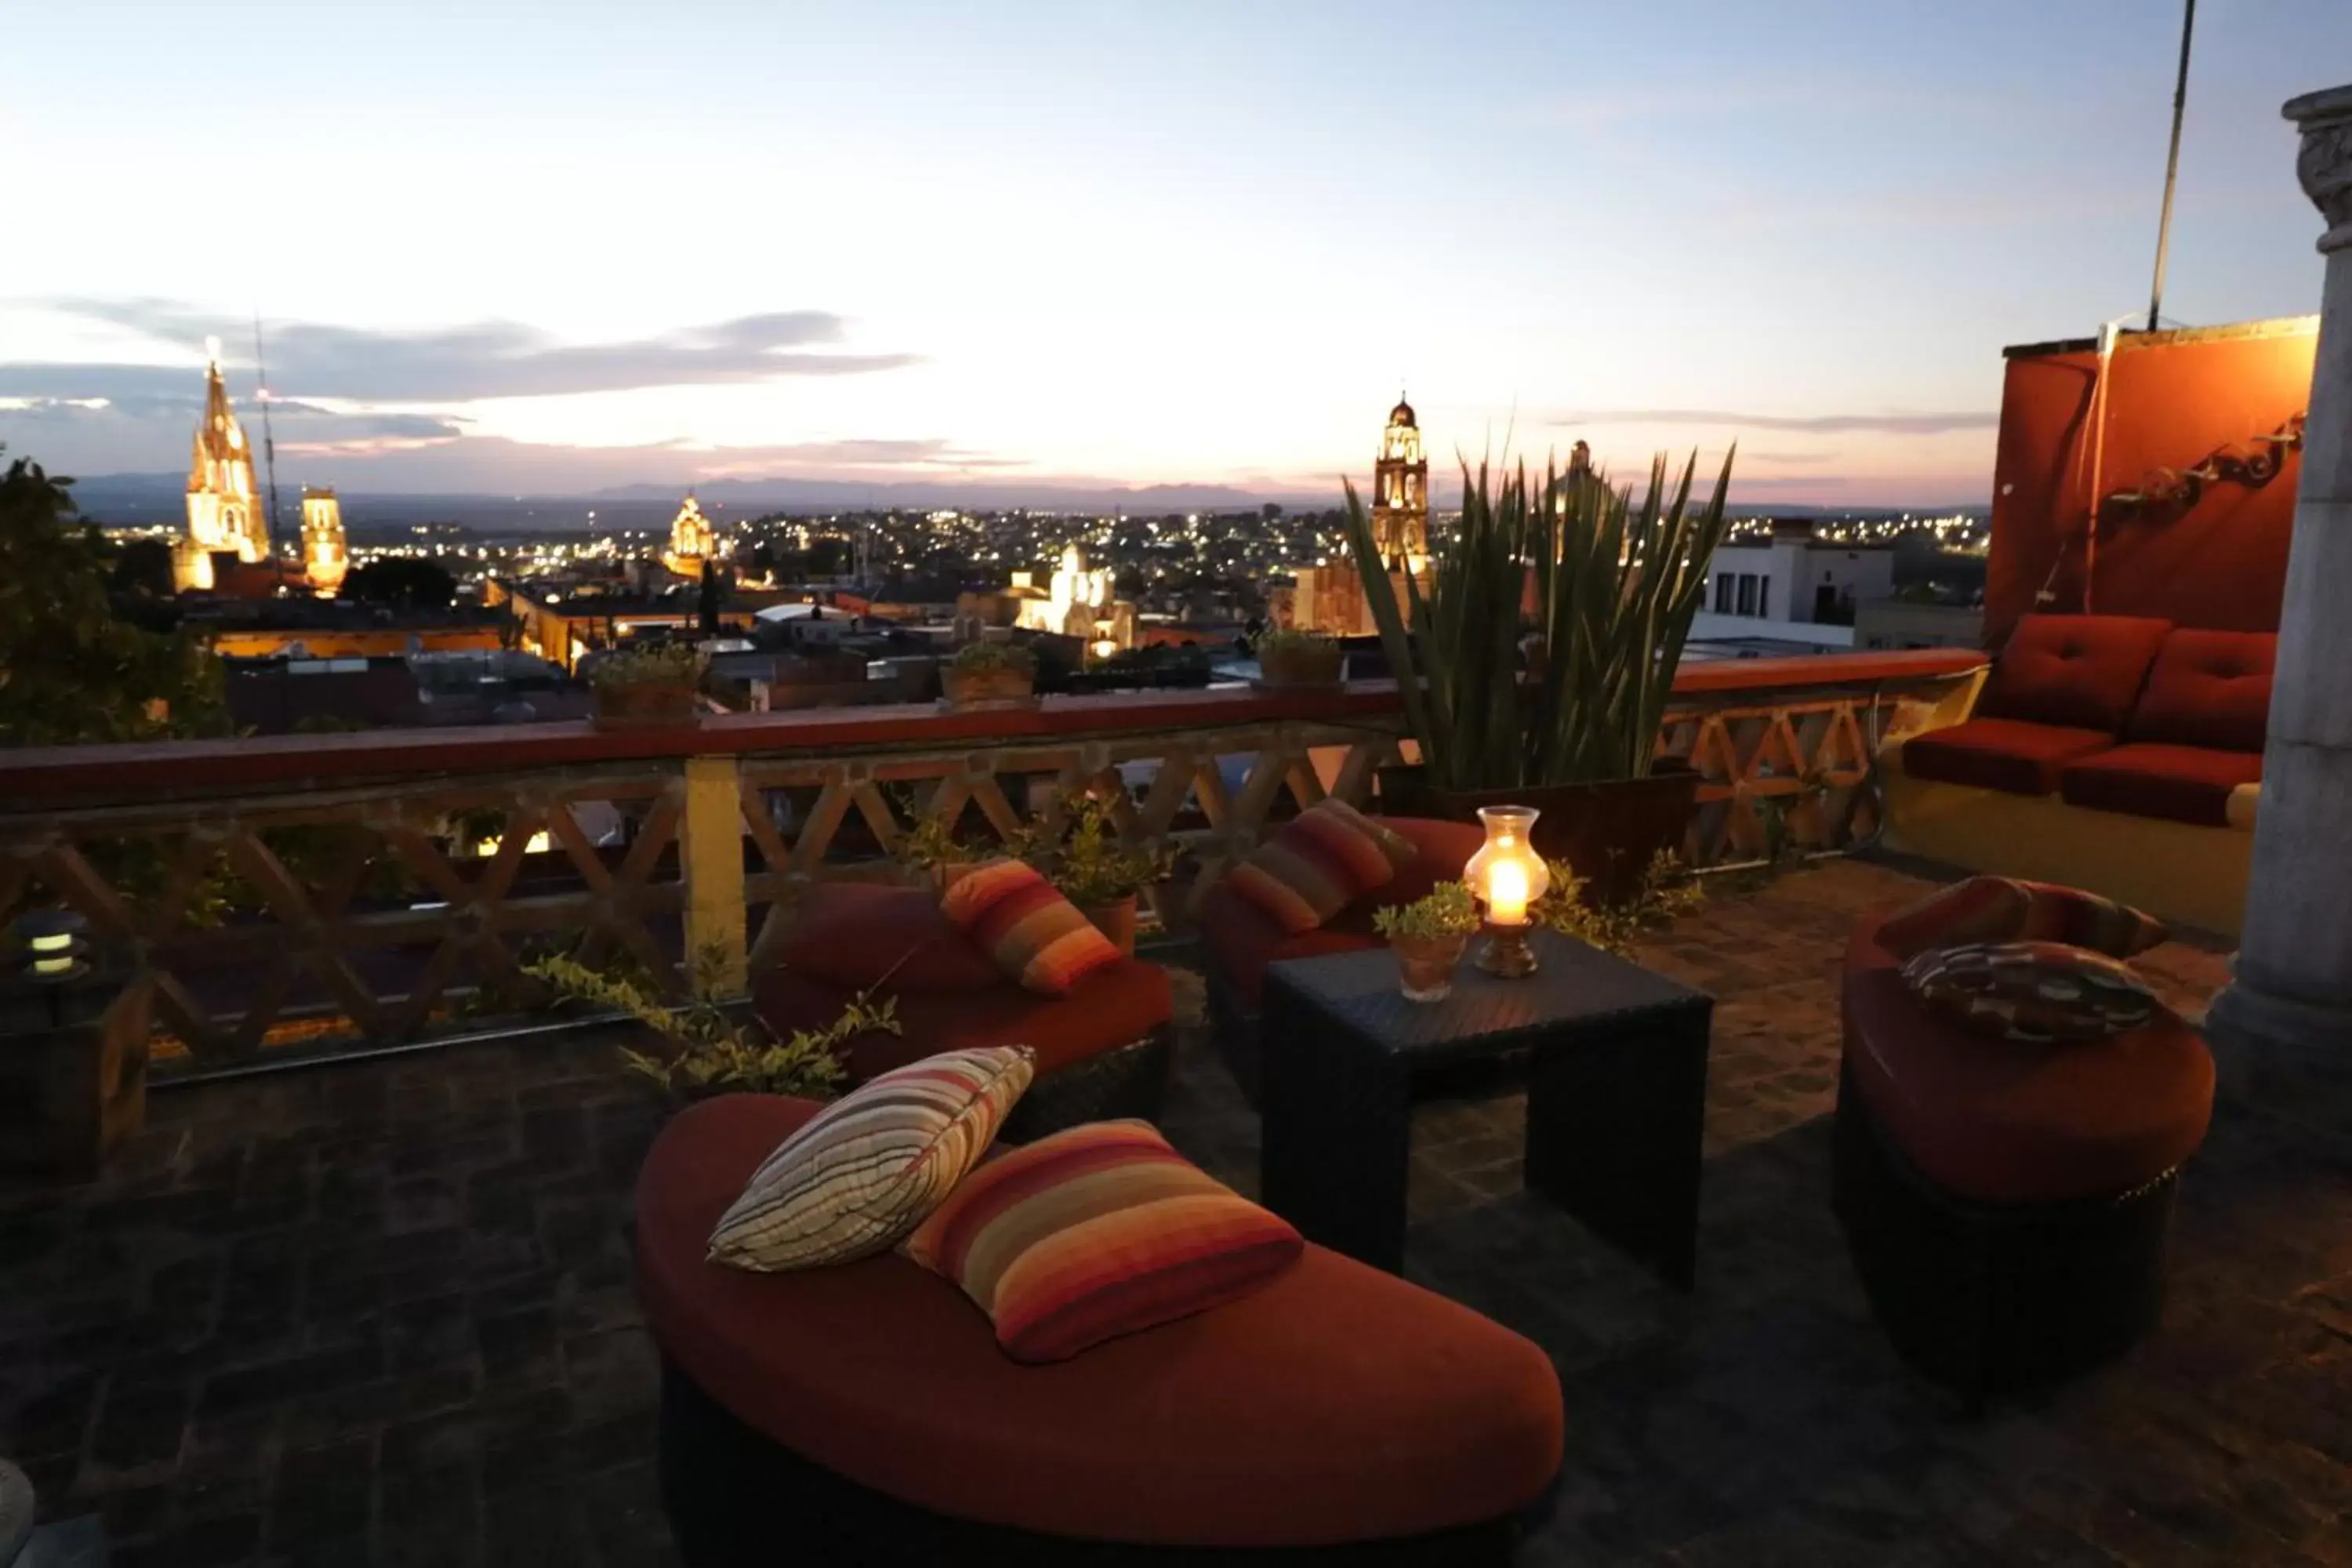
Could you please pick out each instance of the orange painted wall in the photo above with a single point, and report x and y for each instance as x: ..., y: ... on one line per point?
x: 2173, y: 398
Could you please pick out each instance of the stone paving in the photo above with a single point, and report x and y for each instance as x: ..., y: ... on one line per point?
x: 381, y: 1314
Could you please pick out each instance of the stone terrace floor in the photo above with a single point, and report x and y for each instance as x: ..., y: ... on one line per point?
x: 382, y: 1314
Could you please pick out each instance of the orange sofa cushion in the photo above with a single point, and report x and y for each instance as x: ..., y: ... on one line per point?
x: 2180, y: 783
x: 1998, y: 1121
x: 2209, y: 688
x: 2077, y: 672
x: 1117, y: 1005
x: 1243, y: 938
x: 852, y: 932
x: 1339, y: 1404
x: 2011, y: 755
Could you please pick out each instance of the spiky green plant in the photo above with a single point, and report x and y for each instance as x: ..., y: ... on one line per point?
x: 1449, y: 909
x: 1575, y: 692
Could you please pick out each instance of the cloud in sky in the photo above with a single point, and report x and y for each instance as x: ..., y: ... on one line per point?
x: 1832, y: 424
x: 456, y: 364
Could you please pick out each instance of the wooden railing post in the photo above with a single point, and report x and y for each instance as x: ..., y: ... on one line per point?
x: 710, y: 859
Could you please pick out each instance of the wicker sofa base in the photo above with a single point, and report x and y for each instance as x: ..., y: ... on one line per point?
x: 1991, y: 1298
x: 1130, y: 1081
x: 738, y: 1500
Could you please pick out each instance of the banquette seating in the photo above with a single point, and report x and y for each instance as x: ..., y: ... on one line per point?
x: 1239, y: 939
x: 1102, y: 1050
x: 2007, y: 1201
x: 2113, y: 752
x: 865, y: 1413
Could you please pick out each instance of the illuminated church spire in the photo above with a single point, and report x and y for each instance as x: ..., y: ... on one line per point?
x: 224, y: 510
x: 692, y: 541
x: 1401, y: 492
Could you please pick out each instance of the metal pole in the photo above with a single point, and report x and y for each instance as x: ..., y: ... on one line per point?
x: 269, y: 436
x: 2171, y: 162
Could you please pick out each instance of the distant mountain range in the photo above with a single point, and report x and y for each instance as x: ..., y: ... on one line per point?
x: 132, y: 499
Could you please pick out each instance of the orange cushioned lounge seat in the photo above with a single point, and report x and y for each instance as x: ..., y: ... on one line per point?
x: 2195, y: 736
x: 865, y: 1413
x: 1102, y: 1050
x: 2006, y: 1202
x: 1241, y: 939
x: 2061, y: 691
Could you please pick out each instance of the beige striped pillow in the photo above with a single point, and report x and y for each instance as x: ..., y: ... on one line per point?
x: 861, y: 1173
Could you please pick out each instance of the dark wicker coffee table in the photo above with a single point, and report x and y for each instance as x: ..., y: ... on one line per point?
x: 1615, y: 1058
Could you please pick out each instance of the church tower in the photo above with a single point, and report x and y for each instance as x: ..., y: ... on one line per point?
x: 692, y: 541
x: 224, y: 510
x: 1400, y: 493
x: 325, y: 557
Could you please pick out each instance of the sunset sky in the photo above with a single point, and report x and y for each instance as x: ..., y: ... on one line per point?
x: 510, y: 248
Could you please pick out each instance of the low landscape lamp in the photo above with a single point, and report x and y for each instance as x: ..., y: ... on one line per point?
x: 53, y: 944
x: 1509, y: 877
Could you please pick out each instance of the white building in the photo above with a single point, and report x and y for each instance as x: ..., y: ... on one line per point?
x: 1791, y: 588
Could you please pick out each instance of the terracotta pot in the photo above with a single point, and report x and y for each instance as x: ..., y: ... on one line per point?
x: 645, y: 705
x: 972, y: 686
x: 1609, y: 831
x: 1425, y: 965
x: 1115, y: 920
x: 1294, y: 666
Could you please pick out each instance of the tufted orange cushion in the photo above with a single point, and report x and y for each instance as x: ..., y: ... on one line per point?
x: 2209, y: 688
x: 2180, y: 783
x: 1115, y: 1005
x: 2079, y: 672
x: 852, y: 934
x: 2011, y: 1121
x: 2011, y: 754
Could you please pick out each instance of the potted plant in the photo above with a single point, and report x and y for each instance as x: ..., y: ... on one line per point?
x: 703, y: 1050
x: 1534, y: 668
x: 983, y: 673
x: 931, y: 849
x: 1428, y: 936
x: 1288, y: 658
x: 648, y: 687
x: 1096, y: 870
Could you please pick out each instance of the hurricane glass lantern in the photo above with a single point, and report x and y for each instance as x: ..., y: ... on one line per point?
x: 1509, y: 877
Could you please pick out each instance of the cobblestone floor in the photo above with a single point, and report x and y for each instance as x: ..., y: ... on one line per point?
x: 382, y: 1314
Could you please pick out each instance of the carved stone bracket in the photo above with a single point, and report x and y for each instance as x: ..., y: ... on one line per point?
x: 2325, y: 163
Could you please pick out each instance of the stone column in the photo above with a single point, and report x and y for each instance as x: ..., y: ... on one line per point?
x: 2289, y: 1010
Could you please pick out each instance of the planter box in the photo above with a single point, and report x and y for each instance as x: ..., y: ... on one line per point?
x: 646, y: 705
x: 1285, y: 669
x: 987, y: 687
x: 1610, y: 831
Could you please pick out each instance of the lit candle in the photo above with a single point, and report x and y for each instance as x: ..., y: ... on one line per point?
x: 1507, y: 893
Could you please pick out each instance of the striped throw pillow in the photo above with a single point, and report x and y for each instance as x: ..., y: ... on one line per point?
x: 857, y: 1176
x: 1323, y: 859
x: 2078, y: 919
x: 1020, y: 920
x: 2036, y: 991
x: 1094, y: 1232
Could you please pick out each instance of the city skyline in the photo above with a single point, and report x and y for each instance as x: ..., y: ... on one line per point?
x: 1103, y: 248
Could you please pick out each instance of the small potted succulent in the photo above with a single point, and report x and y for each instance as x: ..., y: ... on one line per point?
x: 985, y: 673
x: 1428, y: 936
x: 1097, y: 870
x: 1288, y: 658
x: 648, y: 687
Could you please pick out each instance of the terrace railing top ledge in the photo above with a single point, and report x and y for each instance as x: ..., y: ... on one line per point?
x: 44, y: 778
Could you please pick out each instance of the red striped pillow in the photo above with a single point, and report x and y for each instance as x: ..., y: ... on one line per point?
x: 1323, y: 859
x: 1996, y: 909
x: 1020, y: 920
x: 1096, y: 1232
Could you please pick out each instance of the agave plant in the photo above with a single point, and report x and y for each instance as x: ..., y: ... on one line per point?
x: 1546, y: 646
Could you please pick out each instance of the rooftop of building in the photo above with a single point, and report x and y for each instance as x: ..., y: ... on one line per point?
x: 383, y: 1312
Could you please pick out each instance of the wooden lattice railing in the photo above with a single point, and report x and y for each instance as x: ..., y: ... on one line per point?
x: 312, y: 892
